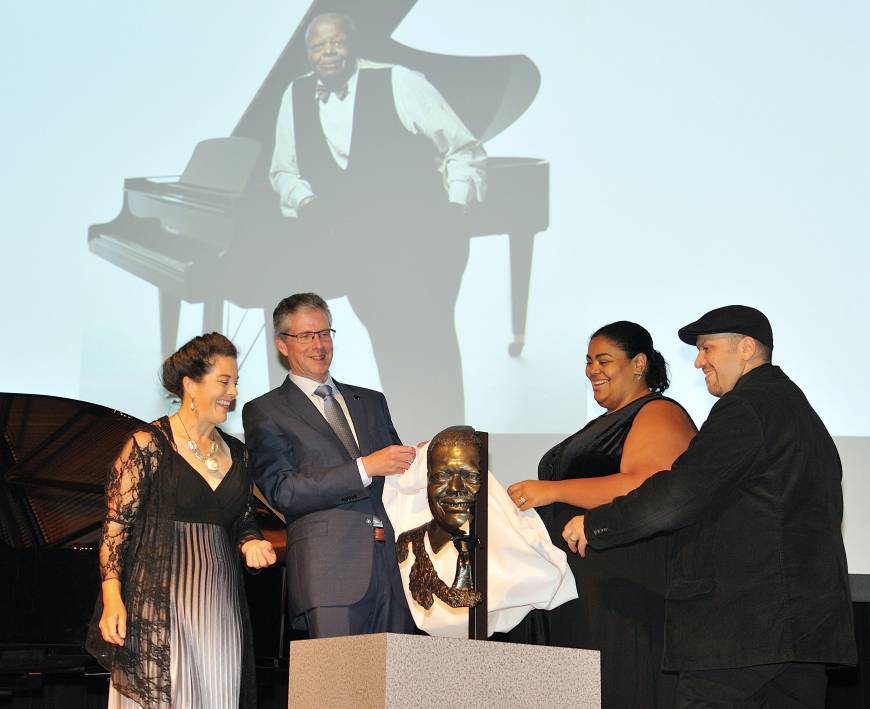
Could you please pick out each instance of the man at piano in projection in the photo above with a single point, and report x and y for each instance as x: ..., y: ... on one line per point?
x: 379, y: 170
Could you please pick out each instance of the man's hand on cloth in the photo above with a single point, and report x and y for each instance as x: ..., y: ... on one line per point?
x: 575, y: 535
x: 391, y: 460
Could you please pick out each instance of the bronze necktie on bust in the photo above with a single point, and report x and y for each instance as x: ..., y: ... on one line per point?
x: 323, y: 92
x: 336, y: 418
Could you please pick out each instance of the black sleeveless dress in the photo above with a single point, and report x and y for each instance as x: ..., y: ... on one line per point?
x: 620, y: 610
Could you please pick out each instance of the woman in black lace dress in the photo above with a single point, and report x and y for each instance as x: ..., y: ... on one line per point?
x: 620, y: 609
x: 172, y: 625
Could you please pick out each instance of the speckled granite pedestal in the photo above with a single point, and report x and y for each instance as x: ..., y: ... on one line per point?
x: 388, y: 671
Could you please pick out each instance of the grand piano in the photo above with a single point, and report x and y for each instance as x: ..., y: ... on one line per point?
x: 191, y: 235
x: 54, y: 457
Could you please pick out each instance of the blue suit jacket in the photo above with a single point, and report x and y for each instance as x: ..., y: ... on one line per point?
x: 304, y: 471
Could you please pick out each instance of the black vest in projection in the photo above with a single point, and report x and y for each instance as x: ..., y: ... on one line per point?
x: 391, y: 174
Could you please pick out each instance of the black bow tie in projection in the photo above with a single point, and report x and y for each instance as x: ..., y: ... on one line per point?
x: 323, y: 92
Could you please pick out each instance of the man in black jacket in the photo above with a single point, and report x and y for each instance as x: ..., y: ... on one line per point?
x: 759, y: 600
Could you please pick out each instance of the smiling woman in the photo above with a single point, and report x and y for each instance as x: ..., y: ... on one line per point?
x: 619, y: 378
x: 179, y: 519
x: 621, y: 592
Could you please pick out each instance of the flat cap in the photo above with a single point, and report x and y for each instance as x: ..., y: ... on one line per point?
x: 731, y: 318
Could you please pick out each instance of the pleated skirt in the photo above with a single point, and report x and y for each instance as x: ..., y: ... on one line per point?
x: 206, y: 623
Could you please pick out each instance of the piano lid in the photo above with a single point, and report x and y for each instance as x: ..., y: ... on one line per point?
x: 55, y: 454
x: 54, y: 457
x: 488, y: 93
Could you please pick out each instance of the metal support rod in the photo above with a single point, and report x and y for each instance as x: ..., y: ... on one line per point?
x: 477, y: 616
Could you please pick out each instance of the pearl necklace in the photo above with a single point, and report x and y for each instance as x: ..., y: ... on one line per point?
x: 209, y: 460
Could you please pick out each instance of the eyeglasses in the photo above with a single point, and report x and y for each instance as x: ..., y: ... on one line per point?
x: 306, y: 338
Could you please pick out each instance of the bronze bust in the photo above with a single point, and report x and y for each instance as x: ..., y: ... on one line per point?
x: 453, y: 479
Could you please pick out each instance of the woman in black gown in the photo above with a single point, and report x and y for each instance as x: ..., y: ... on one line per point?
x: 172, y: 624
x: 620, y: 609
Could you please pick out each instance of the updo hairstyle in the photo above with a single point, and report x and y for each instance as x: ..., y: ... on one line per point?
x: 633, y: 339
x: 194, y: 359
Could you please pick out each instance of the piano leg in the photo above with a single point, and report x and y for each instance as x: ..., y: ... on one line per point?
x: 521, y: 245
x: 170, y: 310
x: 213, y: 316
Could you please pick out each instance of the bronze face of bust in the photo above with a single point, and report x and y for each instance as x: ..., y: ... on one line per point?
x: 453, y: 463
x: 453, y: 479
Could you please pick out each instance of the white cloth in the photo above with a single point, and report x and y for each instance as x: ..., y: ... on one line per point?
x: 308, y: 387
x: 421, y: 110
x: 525, y: 570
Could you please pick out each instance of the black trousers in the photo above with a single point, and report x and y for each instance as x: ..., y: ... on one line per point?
x: 790, y: 685
x: 378, y: 611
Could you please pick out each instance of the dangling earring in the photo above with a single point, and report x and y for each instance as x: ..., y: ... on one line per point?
x: 192, y: 405
x: 636, y: 378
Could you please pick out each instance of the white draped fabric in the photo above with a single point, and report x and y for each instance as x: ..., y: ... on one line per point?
x: 525, y: 570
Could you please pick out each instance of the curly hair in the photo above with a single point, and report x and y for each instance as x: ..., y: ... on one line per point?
x: 194, y: 359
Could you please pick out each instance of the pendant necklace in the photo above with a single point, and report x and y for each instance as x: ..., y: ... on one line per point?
x: 209, y: 460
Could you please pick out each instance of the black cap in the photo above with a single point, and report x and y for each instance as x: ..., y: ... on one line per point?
x: 731, y: 318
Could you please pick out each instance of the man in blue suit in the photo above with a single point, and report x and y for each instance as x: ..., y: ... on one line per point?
x: 319, y: 453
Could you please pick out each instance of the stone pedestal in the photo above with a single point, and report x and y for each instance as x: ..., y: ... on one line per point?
x: 408, y: 671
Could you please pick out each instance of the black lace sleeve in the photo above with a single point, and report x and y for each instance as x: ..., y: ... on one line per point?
x: 130, y: 472
x: 136, y: 548
x: 246, y: 527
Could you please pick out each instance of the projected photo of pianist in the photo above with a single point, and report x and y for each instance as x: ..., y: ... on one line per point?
x: 368, y: 187
x: 371, y: 160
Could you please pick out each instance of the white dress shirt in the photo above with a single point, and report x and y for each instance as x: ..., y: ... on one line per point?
x: 421, y: 110
x: 308, y: 386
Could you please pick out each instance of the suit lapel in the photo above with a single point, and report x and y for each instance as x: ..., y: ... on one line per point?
x: 305, y: 409
x: 357, y: 410
x: 357, y: 416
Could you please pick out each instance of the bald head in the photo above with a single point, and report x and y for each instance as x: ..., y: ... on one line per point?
x: 336, y: 19
x: 329, y: 43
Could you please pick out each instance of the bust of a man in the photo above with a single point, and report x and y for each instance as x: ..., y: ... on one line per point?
x: 453, y: 479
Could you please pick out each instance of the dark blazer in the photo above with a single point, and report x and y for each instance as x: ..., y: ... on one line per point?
x: 758, y: 568
x: 305, y: 472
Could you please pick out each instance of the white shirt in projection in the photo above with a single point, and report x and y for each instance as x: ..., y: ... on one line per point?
x: 525, y: 570
x: 421, y: 110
